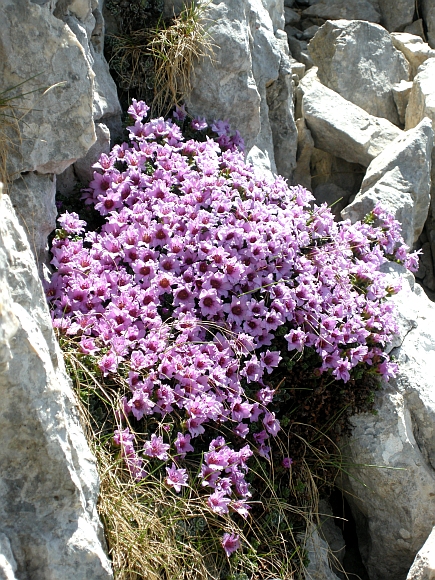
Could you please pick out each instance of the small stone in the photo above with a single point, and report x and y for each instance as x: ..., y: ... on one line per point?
x: 291, y: 16
x: 347, y: 9
x: 415, y: 50
x: 416, y: 28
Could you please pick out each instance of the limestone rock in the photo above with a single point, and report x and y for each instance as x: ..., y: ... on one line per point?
x: 291, y: 16
x: 392, y: 453
x: 299, y: 49
x: 317, y: 552
x: 428, y: 11
x: 399, y: 178
x: 425, y: 271
x: 56, y: 126
x: 357, y: 60
x: 302, y: 174
x: 251, y: 67
x: 48, y: 480
x: 279, y: 98
x: 423, y: 567
x: 416, y: 28
x: 396, y: 14
x: 347, y: 9
x: 90, y: 33
x: 83, y: 167
x: 8, y: 566
x: 342, y: 128
x: 422, y: 99
x: 33, y: 198
x: 415, y: 50
x: 401, y: 93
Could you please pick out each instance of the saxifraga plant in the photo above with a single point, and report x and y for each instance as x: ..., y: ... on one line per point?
x: 224, y: 329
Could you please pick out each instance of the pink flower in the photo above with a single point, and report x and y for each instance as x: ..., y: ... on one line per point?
x: 182, y: 444
x: 156, y: 448
x: 287, y: 462
x: 230, y: 543
x: 219, y: 502
x: 271, y: 424
x: 176, y: 477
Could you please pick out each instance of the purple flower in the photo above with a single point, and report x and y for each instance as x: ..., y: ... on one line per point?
x: 287, y: 462
x: 71, y: 223
x: 219, y: 502
x: 199, y: 124
x: 108, y: 364
x: 230, y: 543
x: 182, y: 444
x: 156, y: 448
x: 176, y: 477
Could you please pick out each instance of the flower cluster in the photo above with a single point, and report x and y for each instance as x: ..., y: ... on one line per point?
x: 199, y: 264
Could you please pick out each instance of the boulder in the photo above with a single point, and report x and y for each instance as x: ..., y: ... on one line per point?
x: 415, y: 50
x: 396, y: 14
x: 391, y: 453
x: 423, y: 567
x: 428, y: 11
x: 348, y: 9
x: 357, y: 60
x: 342, y: 128
x: 56, y: 126
x: 48, y: 478
x: 399, y: 178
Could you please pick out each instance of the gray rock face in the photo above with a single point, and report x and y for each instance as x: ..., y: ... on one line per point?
x: 357, y: 60
x: 251, y: 68
x: 415, y: 50
x: 57, y: 126
x: 399, y: 178
x: 423, y: 567
x: 318, y: 552
x: 83, y: 167
x: 33, y: 198
x: 393, y: 496
x: 347, y: 9
x: 48, y: 480
x: 396, y: 14
x: 422, y: 99
x: 342, y: 128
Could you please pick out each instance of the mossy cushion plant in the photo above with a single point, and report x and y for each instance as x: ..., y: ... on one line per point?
x: 205, y: 291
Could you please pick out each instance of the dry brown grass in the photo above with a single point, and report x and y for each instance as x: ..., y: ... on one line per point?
x: 175, y: 49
